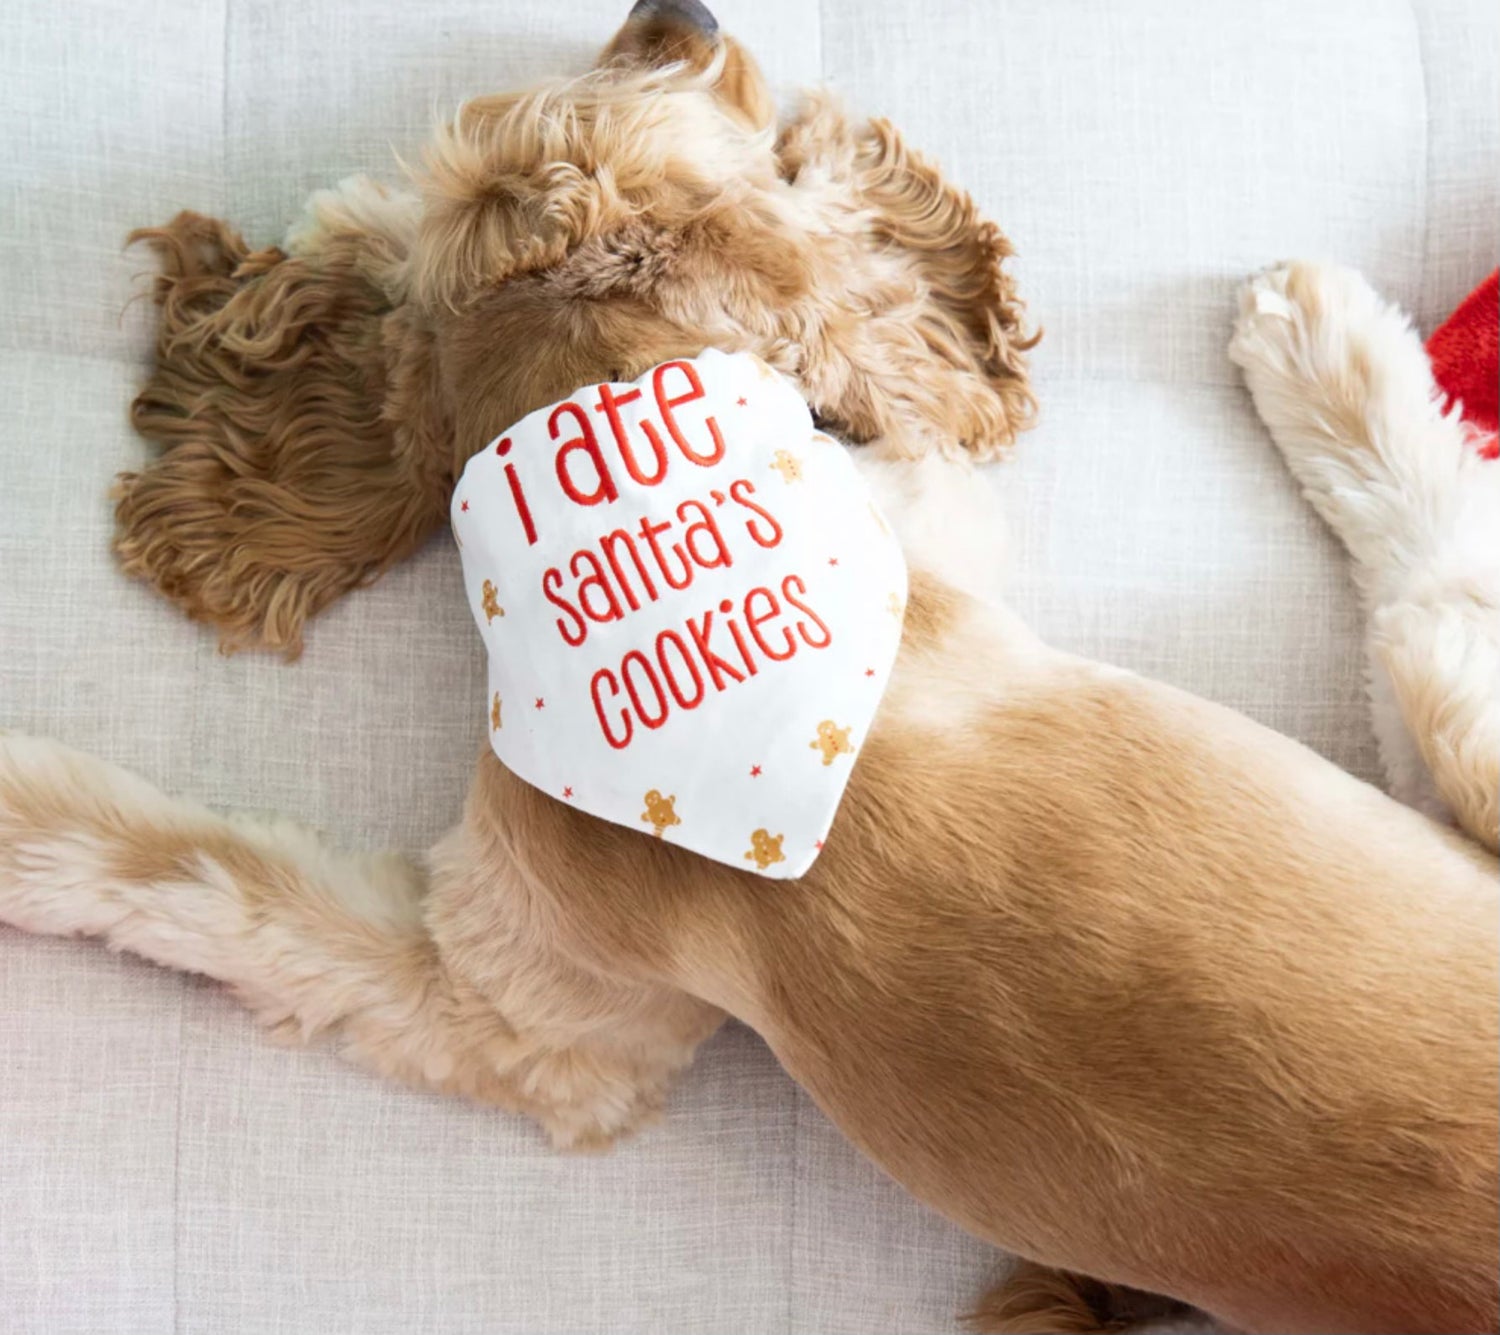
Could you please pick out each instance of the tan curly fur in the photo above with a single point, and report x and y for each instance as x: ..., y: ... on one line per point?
x: 1033, y: 1298
x: 304, y: 446
x: 307, y: 444
x: 1115, y: 978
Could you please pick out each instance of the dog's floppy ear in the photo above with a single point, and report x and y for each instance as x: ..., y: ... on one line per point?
x: 303, y: 442
x: 971, y: 318
x: 961, y: 254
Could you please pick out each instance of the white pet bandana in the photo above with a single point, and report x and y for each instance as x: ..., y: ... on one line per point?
x: 691, y: 607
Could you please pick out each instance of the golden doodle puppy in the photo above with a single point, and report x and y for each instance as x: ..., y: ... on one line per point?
x: 1119, y: 980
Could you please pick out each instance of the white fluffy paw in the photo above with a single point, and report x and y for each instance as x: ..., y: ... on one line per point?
x: 1304, y: 292
x: 1343, y: 383
x: 1317, y: 335
x: 32, y: 808
x: 69, y: 824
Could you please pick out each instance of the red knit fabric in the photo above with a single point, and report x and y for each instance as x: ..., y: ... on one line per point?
x: 1465, y: 354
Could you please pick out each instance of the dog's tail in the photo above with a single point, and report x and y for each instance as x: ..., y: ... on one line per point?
x: 1036, y: 1300
x: 312, y: 941
x: 1345, y: 387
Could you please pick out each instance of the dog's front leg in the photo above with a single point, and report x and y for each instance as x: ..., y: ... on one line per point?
x: 597, y: 1052
x: 313, y: 941
x: 409, y: 975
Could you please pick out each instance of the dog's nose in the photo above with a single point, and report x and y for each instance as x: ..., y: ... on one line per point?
x: 684, y: 11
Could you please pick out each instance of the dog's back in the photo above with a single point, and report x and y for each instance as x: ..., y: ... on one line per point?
x: 1120, y: 980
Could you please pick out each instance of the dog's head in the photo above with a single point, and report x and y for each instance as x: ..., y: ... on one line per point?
x: 577, y: 233
x: 591, y: 228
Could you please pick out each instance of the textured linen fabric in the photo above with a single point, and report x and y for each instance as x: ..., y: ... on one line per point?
x: 162, y: 1166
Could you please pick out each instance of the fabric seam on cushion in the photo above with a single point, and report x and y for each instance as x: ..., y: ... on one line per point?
x: 182, y: 1003
x: 1419, y: 298
x: 197, y: 725
x: 791, y: 1222
x: 224, y: 111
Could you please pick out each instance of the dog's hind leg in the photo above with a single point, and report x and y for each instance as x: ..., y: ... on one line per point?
x: 1343, y: 383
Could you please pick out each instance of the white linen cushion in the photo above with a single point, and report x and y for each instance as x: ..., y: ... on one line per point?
x: 162, y: 1167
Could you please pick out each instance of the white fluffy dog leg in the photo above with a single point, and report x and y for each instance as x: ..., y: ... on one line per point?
x: 1440, y: 651
x: 1344, y: 384
x: 89, y: 849
x: 320, y: 942
x: 311, y: 940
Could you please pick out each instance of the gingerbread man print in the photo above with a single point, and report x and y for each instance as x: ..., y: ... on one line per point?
x: 490, y: 602
x: 495, y: 724
x: 832, y: 741
x: 788, y: 465
x: 765, y: 849
x: 660, y: 812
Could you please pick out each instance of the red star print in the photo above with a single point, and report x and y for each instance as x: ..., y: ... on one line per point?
x: 540, y: 703
x: 819, y: 844
x: 755, y: 771
x: 833, y: 560
x: 869, y: 672
x: 741, y: 402
x: 464, y: 507
x: 567, y: 792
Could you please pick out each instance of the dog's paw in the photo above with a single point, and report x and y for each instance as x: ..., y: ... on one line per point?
x: 38, y: 838
x: 1343, y: 383
x: 1264, y: 295
x: 1338, y: 376
x: 57, y: 806
x: 1303, y: 319
x: 586, y: 1105
x: 372, y: 221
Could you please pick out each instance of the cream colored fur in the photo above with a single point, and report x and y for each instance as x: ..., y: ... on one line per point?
x: 381, y: 219
x: 1121, y: 981
x: 1344, y: 385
